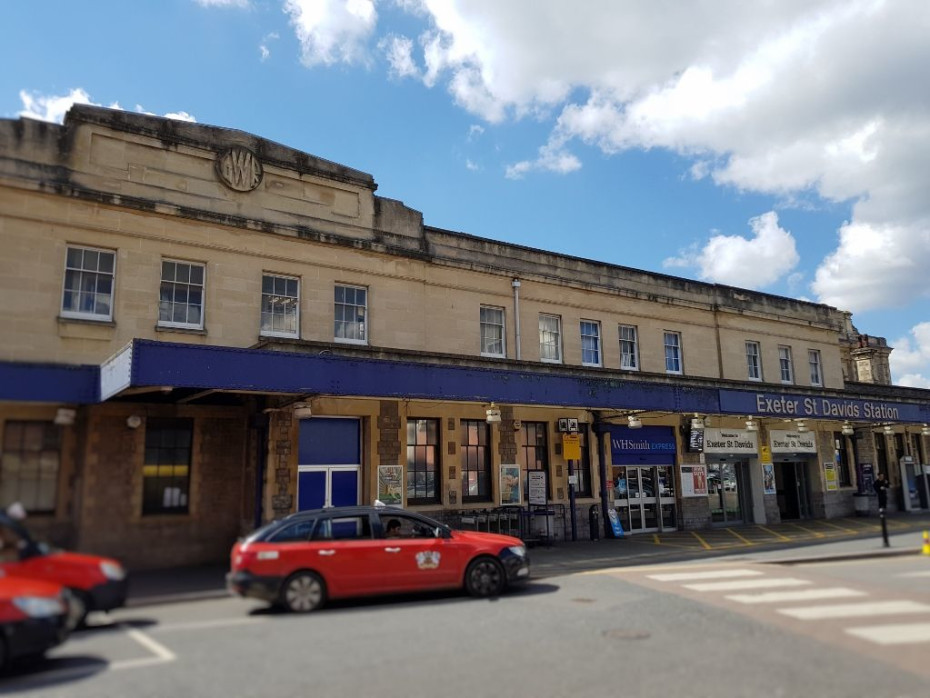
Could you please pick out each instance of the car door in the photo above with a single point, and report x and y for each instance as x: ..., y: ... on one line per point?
x: 344, y: 551
x: 417, y: 558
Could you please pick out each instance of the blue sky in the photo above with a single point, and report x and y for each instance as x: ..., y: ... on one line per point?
x: 776, y: 146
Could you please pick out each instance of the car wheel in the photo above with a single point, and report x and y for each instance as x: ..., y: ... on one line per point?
x: 303, y: 592
x: 484, y: 577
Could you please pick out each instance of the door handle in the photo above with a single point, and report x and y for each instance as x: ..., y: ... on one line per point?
x: 392, y: 550
x: 327, y: 552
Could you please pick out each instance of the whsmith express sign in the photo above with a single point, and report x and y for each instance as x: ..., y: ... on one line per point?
x: 786, y: 405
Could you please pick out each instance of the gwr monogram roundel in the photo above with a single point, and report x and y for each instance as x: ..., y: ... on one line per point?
x: 238, y: 168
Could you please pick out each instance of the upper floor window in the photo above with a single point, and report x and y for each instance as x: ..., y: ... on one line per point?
x: 753, y: 361
x: 813, y: 359
x: 351, y: 313
x: 492, y: 331
x: 166, y: 473
x: 785, y: 366
x: 180, y: 301
x: 590, y: 343
x: 88, y: 286
x: 550, y: 338
x: 280, y: 305
x: 29, y: 462
x: 423, y: 474
x: 629, y: 348
x: 672, y: 352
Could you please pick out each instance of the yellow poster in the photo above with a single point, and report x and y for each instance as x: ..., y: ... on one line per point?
x: 571, y: 446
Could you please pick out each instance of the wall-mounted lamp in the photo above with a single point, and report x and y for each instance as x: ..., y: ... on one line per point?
x: 925, y: 430
x: 802, y: 426
x: 634, y: 422
x: 751, y: 425
x: 64, y: 417
x: 848, y: 429
x: 888, y: 429
x: 697, y: 423
x: 493, y: 414
x: 303, y: 410
x: 133, y: 421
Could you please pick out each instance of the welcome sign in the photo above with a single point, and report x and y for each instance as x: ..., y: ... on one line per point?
x: 738, y: 441
x: 792, y: 442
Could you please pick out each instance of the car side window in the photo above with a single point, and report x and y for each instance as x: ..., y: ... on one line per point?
x: 399, y: 526
x: 343, y: 528
x: 298, y: 532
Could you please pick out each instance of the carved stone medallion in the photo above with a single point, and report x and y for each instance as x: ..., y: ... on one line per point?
x: 238, y: 168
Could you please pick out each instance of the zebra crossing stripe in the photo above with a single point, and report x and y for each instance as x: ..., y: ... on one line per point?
x: 800, y: 595
x: 900, y: 634
x: 712, y: 574
x: 856, y: 610
x: 748, y: 584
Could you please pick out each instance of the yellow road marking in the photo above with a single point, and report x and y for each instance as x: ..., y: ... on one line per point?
x: 702, y: 541
x: 816, y: 534
x: 774, y: 533
x: 840, y: 528
x: 745, y: 540
x: 656, y: 539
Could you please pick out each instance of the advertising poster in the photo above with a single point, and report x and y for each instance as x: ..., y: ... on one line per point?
x: 510, y: 484
x: 391, y: 484
x: 829, y: 471
x: 768, y: 478
x: 694, y: 481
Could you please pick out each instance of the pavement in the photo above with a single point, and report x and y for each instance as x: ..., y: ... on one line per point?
x: 797, y: 542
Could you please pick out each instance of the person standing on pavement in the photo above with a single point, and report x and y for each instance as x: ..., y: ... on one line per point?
x: 881, y: 490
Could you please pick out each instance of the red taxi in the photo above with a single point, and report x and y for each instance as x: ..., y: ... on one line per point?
x: 303, y: 560
x: 33, y: 618
x: 96, y: 583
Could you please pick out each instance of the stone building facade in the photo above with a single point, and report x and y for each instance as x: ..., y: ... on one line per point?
x: 204, y: 330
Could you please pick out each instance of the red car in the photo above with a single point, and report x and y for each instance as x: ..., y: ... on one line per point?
x: 33, y: 618
x: 306, y: 558
x: 96, y: 583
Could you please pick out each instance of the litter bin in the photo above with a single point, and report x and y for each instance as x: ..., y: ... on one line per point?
x: 594, y: 523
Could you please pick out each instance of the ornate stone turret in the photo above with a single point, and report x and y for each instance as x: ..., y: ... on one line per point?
x: 865, y: 358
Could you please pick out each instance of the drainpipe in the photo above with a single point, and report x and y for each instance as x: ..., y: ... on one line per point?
x: 516, y: 312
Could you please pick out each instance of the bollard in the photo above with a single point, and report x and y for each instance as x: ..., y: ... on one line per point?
x: 926, y: 548
x: 881, y: 515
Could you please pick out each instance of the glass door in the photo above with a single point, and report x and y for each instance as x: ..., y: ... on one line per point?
x: 642, y: 499
x: 666, y: 480
x: 724, y: 484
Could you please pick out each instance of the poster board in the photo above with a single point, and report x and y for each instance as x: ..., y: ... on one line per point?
x: 768, y: 478
x: 391, y: 485
x: 536, y: 487
x: 510, y: 485
x: 693, y: 480
x: 829, y: 473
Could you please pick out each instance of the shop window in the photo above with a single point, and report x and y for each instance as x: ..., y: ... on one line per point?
x: 843, y: 474
x: 87, y: 293
x: 590, y: 343
x: 280, y: 306
x: 423, y: 465
x: 753, y: 361
x: 351, y: 314
x: 167, y: 466
x: 180, y: 301
x: 29, y: 465
x: 492, y: 331
x: 534, y: 451
x: 476, y: 461
x: 550, y: 338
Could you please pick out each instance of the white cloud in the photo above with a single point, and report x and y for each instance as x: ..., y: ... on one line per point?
x: 469, y: 165
x: 799, y: 99
x: 54, y: 107
x: 737, y: 261
x: 910, y: 360
x: 399, y: 52
x: 223, y: 3
x: 263, y: 49
x: 332, y: 31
